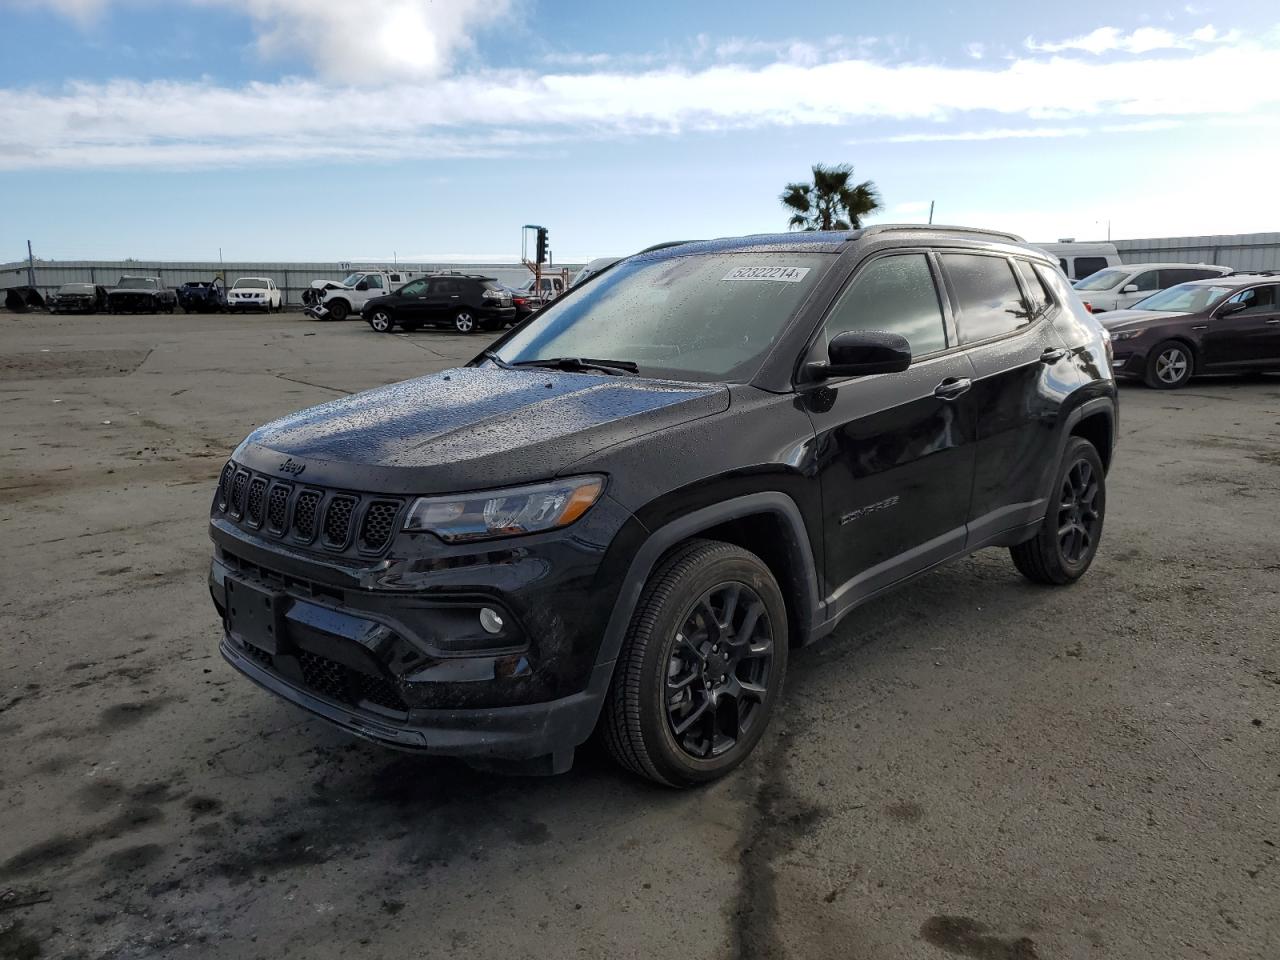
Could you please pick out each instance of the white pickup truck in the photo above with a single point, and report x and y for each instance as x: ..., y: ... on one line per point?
x: 339, y: 299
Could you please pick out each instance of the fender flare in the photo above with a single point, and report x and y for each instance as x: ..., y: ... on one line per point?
x: 690, y: 525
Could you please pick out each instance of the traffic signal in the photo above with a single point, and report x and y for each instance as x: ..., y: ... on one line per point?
x: 542, y: 245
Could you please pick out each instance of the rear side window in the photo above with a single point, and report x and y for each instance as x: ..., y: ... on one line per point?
x: 1089, y: 265
x: 894, y: 294
x: 1171, y: 278
x: 1041, y: 298
x: 446, y: 286
x: 987, y: 295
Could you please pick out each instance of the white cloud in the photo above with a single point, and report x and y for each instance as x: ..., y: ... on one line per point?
x: 1141, y: 40
x: 976, y: 50
x: 1028, y: 133
x: 364, y: 42
x: 496, y: 113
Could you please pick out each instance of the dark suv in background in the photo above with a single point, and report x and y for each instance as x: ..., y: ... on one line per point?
x: 624, y: 514
x: 1226, y: 324
x: 464, y: 302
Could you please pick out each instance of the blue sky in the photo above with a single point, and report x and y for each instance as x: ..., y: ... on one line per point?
x: 330, y: 130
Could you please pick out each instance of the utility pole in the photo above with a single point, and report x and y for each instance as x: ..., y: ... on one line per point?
x: 931, y: 202
x: 31, y: 266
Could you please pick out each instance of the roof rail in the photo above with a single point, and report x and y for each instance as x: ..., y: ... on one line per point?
x: 1252, y: 273
x: 939, y: 228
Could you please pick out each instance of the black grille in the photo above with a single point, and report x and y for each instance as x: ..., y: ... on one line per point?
x: 379, y: 521
x: 264, y: 658
x: 337, y: 521
x: 304, y: 514
x: 237, y: 493
x: 224, y: 486
x: 339, y: 682
x: 256, y: 501
x: 278, y: 508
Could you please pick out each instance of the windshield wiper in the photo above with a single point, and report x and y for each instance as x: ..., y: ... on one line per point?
x: 575, y: 364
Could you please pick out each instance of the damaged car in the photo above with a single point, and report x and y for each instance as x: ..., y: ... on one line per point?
x: 141, y: 295
x: 202, y: 296
x: 78, y: 298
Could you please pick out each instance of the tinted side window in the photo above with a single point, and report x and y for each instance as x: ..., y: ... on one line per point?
x: 894, y: 294
x: 1041, y: 298
x: 1148, y: 280
x: 445, y: 286
x: 1086, y: 266
x: 1171, y: 278
x: 415, y: 289
x: 1256, y: 300
x: 987, y: 294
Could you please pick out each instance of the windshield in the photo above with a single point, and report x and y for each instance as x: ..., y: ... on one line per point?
x: 1184, y: 298
x: 138, y: 283
x: 76, y: 288
x: 1102, y: 280
x: 701, y: 317
x: 353, y: 279
x: 250, y: 283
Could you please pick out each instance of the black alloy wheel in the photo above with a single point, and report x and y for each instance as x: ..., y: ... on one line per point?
x: 718, y: 672
x: 701, y: 668
x: 1067, y: 539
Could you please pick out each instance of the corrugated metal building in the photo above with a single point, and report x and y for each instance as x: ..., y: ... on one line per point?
x: 1241, y: 251
x: 292, y: 278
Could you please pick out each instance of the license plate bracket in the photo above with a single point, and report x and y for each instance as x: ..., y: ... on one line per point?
x: 255, y: 615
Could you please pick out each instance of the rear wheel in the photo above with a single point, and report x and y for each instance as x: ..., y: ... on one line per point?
x: 381, y: 321
x: 701, y: 668
x: 464, y: 321
x: 1065, y: 545
x: 1169, y: 366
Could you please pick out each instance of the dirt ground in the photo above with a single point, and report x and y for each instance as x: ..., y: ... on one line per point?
x: 971, y: 767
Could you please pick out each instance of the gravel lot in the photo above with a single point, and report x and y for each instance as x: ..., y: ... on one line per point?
x: 971, y: 767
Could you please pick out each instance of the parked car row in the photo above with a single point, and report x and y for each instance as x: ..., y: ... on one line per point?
x: 149, y: 295
x: 1224, y: 324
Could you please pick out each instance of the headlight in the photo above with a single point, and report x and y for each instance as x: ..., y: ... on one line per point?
x: 505, y: 513
x: 1127, y: 334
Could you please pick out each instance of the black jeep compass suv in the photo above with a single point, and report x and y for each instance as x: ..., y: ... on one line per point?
x: 625, y: 513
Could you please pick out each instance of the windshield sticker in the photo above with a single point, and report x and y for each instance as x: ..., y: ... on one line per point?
x: 779, y: 274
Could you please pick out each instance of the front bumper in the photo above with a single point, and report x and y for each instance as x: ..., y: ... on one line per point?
x: 390, y: 649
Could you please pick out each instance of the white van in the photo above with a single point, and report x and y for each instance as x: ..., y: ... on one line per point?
x: 1079, y: 260
x: 1118, y: 288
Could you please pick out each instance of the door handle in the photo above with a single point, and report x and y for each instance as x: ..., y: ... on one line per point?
x: 1052, y: 354
x: 952, y: 387
x: 1277, y: 320
x: 1203, y: 326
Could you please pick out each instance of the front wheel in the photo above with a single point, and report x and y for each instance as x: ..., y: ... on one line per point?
x: 1169, y: 366
x: 338, y: 310
x: 381, y: 321
x: 1065, y: 545
x: 464, y: 321
x: 701, y: 669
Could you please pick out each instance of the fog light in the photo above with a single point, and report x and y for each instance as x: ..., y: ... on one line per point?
x: 491, y: 620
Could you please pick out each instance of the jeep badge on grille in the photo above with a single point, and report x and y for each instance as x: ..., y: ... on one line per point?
x: 291, y: 468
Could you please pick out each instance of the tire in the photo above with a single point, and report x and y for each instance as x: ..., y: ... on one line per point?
x: 641, y: 720
x: 382, y: 321
x: 1169, y: 366
x: 1067, y: 541
x: 339, y: 309
x: 464, y: 321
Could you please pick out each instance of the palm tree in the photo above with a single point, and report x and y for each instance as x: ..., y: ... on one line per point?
x: 830, y: 202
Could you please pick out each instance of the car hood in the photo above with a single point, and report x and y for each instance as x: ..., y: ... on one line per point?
x: 147, y: 291
x: 251, y: 291
x: 471, y: 428
x: 1124, y: 319
x: 328, y: 285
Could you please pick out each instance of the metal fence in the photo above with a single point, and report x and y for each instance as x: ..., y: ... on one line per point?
x: 291, y: 278
x: 1241, y: 251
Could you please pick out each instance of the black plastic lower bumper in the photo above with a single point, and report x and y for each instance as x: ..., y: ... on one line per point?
x: 539, y: 730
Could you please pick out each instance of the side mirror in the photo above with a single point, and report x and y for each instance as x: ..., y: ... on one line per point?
x: 1227, y: 309
x: 362, y: 285
x: 857, y: 354
x: 1129, y: 288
